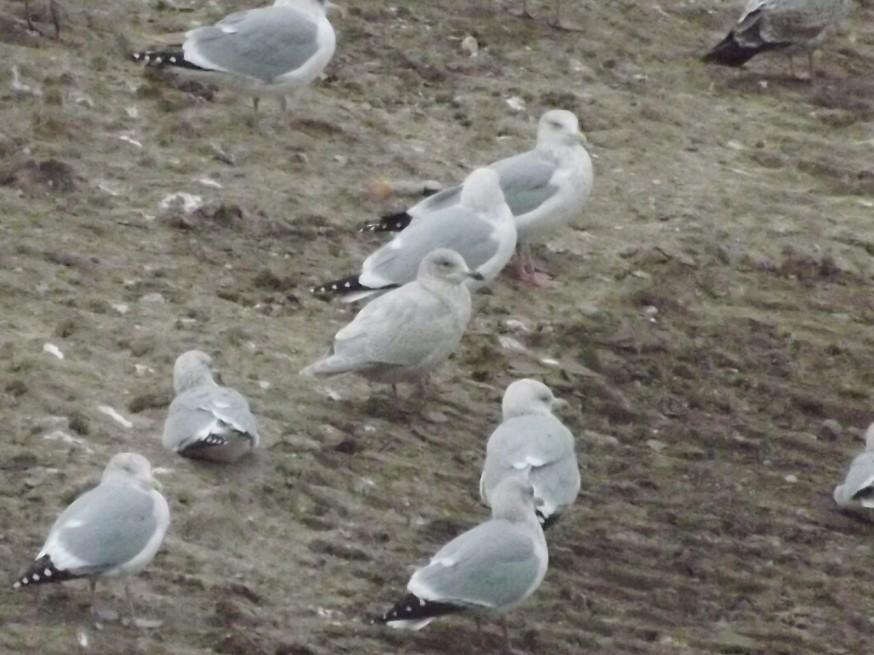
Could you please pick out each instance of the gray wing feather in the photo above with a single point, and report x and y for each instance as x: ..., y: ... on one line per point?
x: 860, y: 476
x: 261, y: 43
x: 111, y: 525
x: 440, y: 200
x: 526, y: 180
x: 456, y: 227
x: 539, y: 441
x: 194, y: 410
x: 495, y: 564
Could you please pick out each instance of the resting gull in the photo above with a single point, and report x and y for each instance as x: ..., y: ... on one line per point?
x: 478, y: 225
x: 788, y: 26
x: 206, y: 420
x: 858, y: 486
x: 265, y: 51
x: 531, y: 441
x: 545, y: 187
x: 494, y: 567
x: 405, y: 333
x: 113, y: 530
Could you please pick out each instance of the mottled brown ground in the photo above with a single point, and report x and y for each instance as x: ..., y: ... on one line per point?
x: 713, y: 310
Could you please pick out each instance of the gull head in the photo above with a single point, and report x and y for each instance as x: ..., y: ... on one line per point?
x: 529, y: 397
x: 447, y: 265
x: 559, y: 127
x: 192, y: 369
x: 131, y: 468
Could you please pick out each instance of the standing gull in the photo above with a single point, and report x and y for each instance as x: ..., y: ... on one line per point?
x: 531, y: 441
x: 206, y: 420
x: 494, y: 567
x: 478, y: 225
x: 858, y: 486
x: 545, y: 187
x: 405, y: 333
x: 266, y: 51
x: 788, y: 26
x: 115, y: 529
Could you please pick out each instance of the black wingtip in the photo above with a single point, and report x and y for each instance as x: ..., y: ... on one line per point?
x: 210, y: 441
x: 41, y: 571
x: 547, y: 522
x: 343, y: 287
x: 173, y: 57
x: 413, y: 608
x: 729, y: 52
x: 389, y: 223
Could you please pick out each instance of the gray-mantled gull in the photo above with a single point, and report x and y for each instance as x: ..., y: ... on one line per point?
x: 265, y: 51
x: 494, y: 567
x: 788, y: 26
x: 478, y: 225
x: 206, y: 420
x: 405, y: 333
x: 113, y: 530
x: 531, y: 441
x: 858, y: 486
x: 545, y: 187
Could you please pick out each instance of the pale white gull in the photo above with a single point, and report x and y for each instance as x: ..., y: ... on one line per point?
x: 405, y: 333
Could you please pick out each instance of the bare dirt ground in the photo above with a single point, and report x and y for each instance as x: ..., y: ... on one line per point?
x: 712, y: 326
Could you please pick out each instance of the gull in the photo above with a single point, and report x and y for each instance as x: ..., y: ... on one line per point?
x: 206, y: 420
x: 545, y: 188
x: 271, y: 50
x: 405, y: 333
x: 113, y: 530
x: 493, y: 567
x: 477, y: 224
x: 858, y: 485
x: 788, y: 26
x: 532, y: 442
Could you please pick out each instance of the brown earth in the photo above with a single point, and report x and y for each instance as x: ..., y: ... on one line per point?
x: 711, y: 326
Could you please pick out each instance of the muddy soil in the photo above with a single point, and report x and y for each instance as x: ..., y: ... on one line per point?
x: 711, y: 324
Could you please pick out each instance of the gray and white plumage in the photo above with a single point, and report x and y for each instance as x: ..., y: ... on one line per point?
x: 493, y: 567
x: 405, y: 333
x: 206, y: 420
x: 858, y: 485
x: 532, y: 442
x: 788, y: 26
x: 478, y: 225
x: 264, y: 51
x: 112, y: 530
x: 545, y: 187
